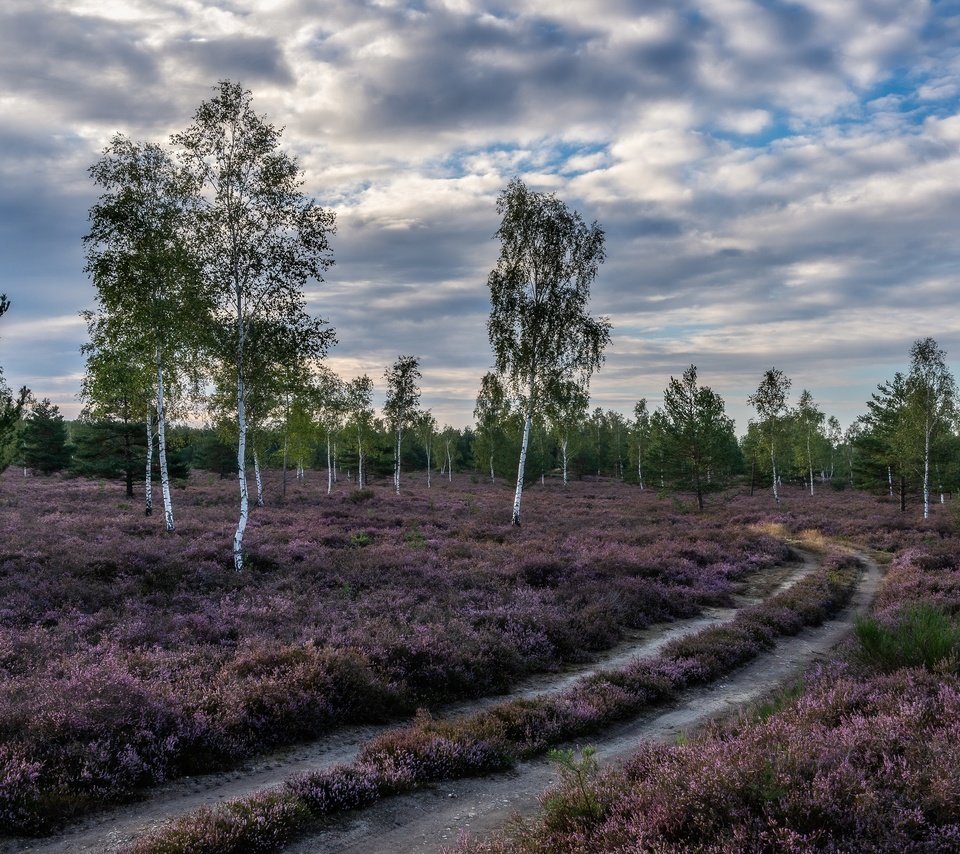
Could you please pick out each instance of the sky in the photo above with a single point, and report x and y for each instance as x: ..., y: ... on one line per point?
x: 779, y: 182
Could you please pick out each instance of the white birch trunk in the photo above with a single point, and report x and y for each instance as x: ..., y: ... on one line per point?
x: 396, y: 464
x: 148, y: 474
x: 890, y: 480
x: 640, y: 466
x: 359, y: 464
x: 258, y: 478
x: 334, y: 461
x: 492, y: 478
x: 449, y: 464
x: 162, y: 450
x: 241, y: 474
x: 926, y: 473
x: 773, y: 463
x: 563, y: 448
x: 329, y: 467
x: 523, y: 462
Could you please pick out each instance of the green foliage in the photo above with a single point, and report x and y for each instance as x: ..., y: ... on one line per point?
x: 360, y: 539
x: 922, y: 636
x: 577, y: 799
x: 44, y: 444
x: 11, y: 409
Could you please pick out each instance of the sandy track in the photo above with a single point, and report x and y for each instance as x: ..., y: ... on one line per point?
x: 426, y: 821
x: 115, y: 828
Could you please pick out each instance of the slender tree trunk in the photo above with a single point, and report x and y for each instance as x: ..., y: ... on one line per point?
x: 890, y: 480
x: 640, y: 466
x: 773, y: 463
x: 359, y: 464
x: 257, y: 477
x: 162, y: 450
x: 429, y: 449
x: 696, y: 475
x: 563, y: 449
x: 396, y: 463
x: 926, y: 473
x: 492, y: 478
x: 810, y: 463
x: 286, y: 444
x: 449, y: 464
x: 148, y: 474
x: 523, y: 462
x: 329, y: 467
x: 241, y: 473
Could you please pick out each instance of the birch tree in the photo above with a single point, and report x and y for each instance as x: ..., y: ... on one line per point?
x: 139, y: 261
x: 491, y: 411
x: 359, y: 394
x: 770, y: 402
x: 539, y: 328
x: 425, y: 426
x: 566, y: 411
x: 331, y: 405
x: 400, y: 406
x: 931, y: 391
x: 834, y: 439
x: 810, y: 421
x: 258, y: 237
x: 641, y: 435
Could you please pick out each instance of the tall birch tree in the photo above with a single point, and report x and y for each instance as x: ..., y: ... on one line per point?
x: 539, y: 327
x: 330, y: 405
x: 932, y: 392
x: 566, y: 412
x: 258, y: 237
x: 359, y: 397
x: 770, y: 402
x: 400, y: 406
x: 425, y: 426
x: 138, y: 258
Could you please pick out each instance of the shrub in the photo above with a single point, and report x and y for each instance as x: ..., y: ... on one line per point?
x: 923, y: 635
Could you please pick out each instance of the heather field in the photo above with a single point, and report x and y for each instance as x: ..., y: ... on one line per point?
x: 865, y: 757
x: 129, y: 656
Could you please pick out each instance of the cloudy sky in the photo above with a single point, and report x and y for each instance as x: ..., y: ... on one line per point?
x: 779, y: 181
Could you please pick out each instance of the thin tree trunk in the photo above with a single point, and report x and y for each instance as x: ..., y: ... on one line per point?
x: 563, y: 449
x: 449, y: 464
x: 523, y: 462
x: 257, y: 477
x: 640, y: 465
x: 148, y: 474
x: 492, y: 478
x: 926, y: 473
x: 396, y: 463
x: 359, y: 464
x: 241, y: 474
x: 162, y: 450
x: 810, y: 463
x: 329, y: 467
x: 773, y: 463
x: 890, y: 480
x: 286, y: 444
x: 429, y: 448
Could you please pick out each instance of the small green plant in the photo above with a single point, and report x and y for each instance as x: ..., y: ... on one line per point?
x: 358, y: 496
x: 359, y: 539
x: 415, y: 538
x: 924, y: 635
x: 577, y: 798
x: 778, y: 701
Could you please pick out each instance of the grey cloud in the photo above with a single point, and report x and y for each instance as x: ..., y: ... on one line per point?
x: 247, y: 58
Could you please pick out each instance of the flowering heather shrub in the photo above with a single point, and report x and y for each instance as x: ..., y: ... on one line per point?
x: 431, y: 750
x: 128, y: 656
x: 855, y: 765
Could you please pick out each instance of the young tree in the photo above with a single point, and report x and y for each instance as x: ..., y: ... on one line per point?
x: 539, y: 327
x: 426, y: 427
x: 259, y: 240
x: 696, y: 427
x: 932, y: 391
x: 886, y: 438
x: 770, y: 401
x: 491, y: 412
x: 641, y: 434
x: 566, y: 411
x: 150, y: 296
x: 834, y: 439
x: 329, y: 404
x: 11, y: 409
x: 810, y: 421
x: 359, y: 394
x: 400, y: 406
